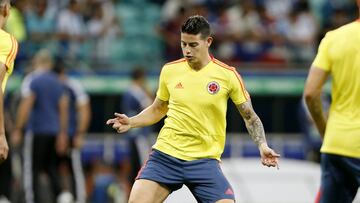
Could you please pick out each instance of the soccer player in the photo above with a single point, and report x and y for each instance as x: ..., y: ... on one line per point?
x: 79, y: 119
x: 193, y: 94
x: 339, y: 57
x: 43, y: 111
x: 8, y: 51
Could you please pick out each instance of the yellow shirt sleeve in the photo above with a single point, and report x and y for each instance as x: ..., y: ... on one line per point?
x: 322, y: 59
x: 163, y: 92
x: 238, y: 93
x: 5, y: 49
x: 8, y: 51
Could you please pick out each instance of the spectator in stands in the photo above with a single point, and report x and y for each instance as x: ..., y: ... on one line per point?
x: 299, y: 31
x: 278, y: 9
x: 103, y: 31
x: 171, y: 8
x: 43, y: 112
x: 41, y: 24
x: 170, y: 33
x: 246, y: 31
x: 71, y: 31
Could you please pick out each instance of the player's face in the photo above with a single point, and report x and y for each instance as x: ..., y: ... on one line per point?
x: 194, y: 47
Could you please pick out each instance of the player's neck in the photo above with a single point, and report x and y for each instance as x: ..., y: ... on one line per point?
x: 201, y: 64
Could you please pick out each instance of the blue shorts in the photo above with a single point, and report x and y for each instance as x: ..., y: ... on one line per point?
x: 340, y: 179
x: 203, y: 177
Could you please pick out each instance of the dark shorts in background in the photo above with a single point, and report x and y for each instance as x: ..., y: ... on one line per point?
x: 340, y: 179
x: 203, y: 177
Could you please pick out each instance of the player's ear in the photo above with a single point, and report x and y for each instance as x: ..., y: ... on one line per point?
x: 5, y: 9
x: 209, y: 41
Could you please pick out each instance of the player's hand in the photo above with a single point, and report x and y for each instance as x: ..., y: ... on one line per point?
x: 4, y: 148
x: 121, y: 123
x: 268, y: 156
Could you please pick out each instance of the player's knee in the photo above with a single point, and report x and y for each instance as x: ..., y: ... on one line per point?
x: 132, y: 200
x: 135, y: 197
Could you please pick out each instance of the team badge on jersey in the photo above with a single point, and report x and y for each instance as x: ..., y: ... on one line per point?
x: 213, y: 87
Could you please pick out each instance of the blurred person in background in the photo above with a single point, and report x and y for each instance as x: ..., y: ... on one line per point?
x: 134, y: 100
x: 43, y: 112
x: 279, y: 9
x: 246, y: 31
x: 78, y: 123
x: 193, y: 93
x: 103, y: 30
x: 71, y: 30
x: 169, y: 30
x: 41, y: 23
x: 8, y: 51
x: 339, y: 57
x: 299, y: 32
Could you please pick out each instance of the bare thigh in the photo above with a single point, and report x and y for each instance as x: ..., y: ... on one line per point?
x: 147, y: 191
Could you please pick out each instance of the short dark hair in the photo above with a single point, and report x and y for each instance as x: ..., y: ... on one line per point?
x: 196, y: 24
x: 59, y: 65
x: 138, y: 73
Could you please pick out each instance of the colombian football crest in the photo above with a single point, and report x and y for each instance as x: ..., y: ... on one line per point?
x: 213, y: 87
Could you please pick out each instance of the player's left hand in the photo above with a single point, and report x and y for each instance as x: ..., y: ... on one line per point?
x: 268, y: 156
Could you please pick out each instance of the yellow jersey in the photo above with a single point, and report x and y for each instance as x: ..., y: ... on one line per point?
x: 8, y: 51
x: 197, y: 102
x: 339, y: 54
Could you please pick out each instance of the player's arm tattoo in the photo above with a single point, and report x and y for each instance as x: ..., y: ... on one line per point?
x: 253, y: 122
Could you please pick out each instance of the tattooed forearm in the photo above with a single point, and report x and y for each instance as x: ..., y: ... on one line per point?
x: 253, y: 123
x: 256, y: 130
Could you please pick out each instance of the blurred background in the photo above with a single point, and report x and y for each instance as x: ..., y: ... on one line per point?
x: 271, y: 43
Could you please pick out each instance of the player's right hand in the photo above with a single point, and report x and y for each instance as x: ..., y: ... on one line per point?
x: 121, y: 123
x: 4, y: 148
